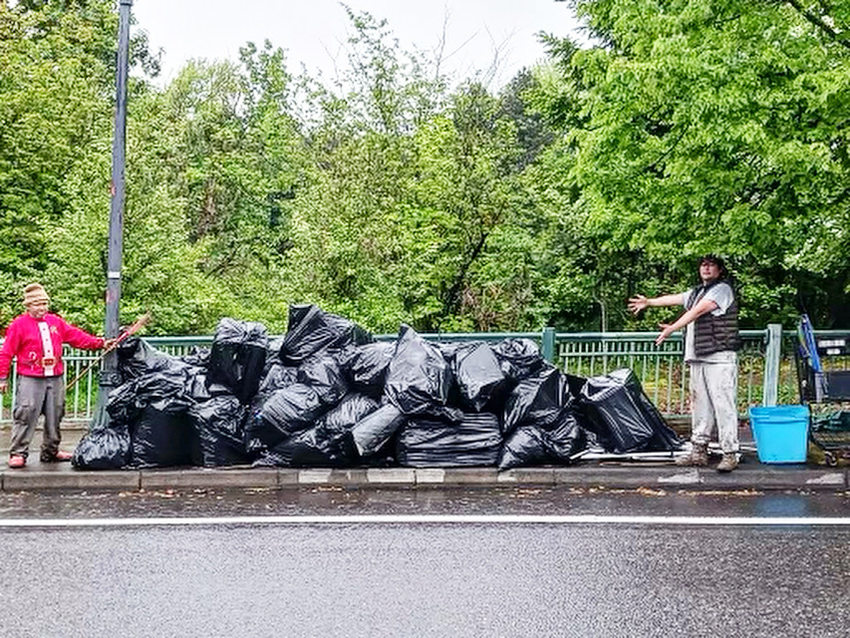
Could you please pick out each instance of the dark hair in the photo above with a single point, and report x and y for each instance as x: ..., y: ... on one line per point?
x: 717, y: 261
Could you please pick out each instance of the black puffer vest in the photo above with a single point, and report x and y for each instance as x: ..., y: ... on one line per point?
x: 715, y: 334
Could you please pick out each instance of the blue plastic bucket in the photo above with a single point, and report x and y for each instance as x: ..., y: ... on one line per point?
x: 781, y: 432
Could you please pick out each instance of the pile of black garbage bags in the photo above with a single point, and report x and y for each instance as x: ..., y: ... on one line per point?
x: 328, y: 395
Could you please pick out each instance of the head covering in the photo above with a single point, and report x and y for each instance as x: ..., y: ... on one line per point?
x: 34, y: 293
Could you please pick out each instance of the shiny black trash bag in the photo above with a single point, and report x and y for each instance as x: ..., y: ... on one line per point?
x: 427, y: 442
x: 478, y: 374
x: 311, y: 329
x: 219, y: 423
x: 330, y: 443
x: 238, y: 357
x: 538, y: 399
x: 618, y: 412
x: 163, y: 439
x: 418, y: 377
x: 366, y: 365
x: 555, y: 444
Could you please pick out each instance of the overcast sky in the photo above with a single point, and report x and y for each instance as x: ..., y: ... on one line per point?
x: 313, y: 32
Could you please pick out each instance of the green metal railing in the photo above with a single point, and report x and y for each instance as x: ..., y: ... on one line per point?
x: 766, y: 371
x: 661, y: 369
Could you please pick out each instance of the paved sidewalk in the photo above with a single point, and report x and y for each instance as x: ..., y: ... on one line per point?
x: 750, y: 476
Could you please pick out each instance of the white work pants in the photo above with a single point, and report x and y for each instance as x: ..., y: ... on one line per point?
x: 714, y: 390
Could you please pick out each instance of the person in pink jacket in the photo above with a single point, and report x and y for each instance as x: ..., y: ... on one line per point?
x: 35, y: 338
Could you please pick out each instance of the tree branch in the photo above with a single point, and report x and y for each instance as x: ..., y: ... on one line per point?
x: 452, y: 298
x: 672, y: 146
x: 819, y: 22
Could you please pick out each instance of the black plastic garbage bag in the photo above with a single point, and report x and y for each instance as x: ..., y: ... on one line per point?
x: 273, y: 354
x: 237, y: 357
x: 311, y: 329
x: 418, y: 376
x: 315, y: 447
x: 565, y: 437
x: 478, y: 374
x: 196, y: 386
x: 136, y: 358
x: 375, y: 430
x: 287, y: 411
x: 103, y: 449
x: 575, y: 384
x: 533, y: 445
x: 198, y: 356
x: 121, y: 403
x: 518, y: 358
x: 162, y: 439
x: 538, y: 399
x: 622, y: 417
x: 219, y: 423
x: 277, y: 377
x: 322, y: 373
x: 328, y: 444
x: 168, y: 390
x: 444, y: 413
x: 449, y: 349
x: 347, y: 412
x: 475, y: 441
x: 526, y: 445
x: 367, y: 365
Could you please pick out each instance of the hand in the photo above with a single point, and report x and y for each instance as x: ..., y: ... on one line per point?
x: 665, y: 332
x: 108, y: 344
x: 636, y: 304
x: 4, y: 385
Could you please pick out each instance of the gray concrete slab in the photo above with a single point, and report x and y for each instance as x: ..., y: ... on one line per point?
x: 456, y: 476
x: 17, y: 480
x: 751, y: 475
x: 527, y: 476
x: 655, y: 475
x: 207, y: 478
x: 758, y: 478
x: 391, y: 476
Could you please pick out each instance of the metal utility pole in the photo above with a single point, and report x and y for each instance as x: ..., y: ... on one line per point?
x: 116, y: 210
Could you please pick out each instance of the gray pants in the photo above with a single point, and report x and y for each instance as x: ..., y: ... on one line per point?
x: 714, y: 391
x: 37, y: 396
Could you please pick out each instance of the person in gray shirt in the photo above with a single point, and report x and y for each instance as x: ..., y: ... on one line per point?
x: 710, y: 321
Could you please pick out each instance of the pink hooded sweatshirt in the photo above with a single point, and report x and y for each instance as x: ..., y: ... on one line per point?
x: 23, y: 340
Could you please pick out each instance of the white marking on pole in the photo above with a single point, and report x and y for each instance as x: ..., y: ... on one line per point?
x: 431, y: 519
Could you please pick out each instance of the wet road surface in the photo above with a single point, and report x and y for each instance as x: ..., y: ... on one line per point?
x: 425, y: 579
x: 420, y: 500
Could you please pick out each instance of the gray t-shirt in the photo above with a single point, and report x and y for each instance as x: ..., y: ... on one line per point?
x: 722, y: 295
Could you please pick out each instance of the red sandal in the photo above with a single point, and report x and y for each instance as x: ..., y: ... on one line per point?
x: 55, y: 457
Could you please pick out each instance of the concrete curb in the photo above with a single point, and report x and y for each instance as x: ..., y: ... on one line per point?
x: 208, y: 478
x: 17, y: 481
x: 659, y: 477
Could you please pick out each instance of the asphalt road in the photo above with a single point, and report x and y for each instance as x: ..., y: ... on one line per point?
x: 425, y: 578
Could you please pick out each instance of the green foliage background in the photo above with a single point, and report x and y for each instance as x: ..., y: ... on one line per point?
x: 686, y: 127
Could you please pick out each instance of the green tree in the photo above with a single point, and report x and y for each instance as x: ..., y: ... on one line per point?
x: 53, y: 70
x: 704, y: 126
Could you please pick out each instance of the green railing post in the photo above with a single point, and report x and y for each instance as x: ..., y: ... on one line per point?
x: 547, y: 348
x: 772, y: 356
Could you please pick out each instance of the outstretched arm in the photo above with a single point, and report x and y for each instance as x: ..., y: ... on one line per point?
x: 80, y: 338
x: 638, y: 303
x: 689, y: 316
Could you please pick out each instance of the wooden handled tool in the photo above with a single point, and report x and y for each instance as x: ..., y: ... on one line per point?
x: 131, y: 330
